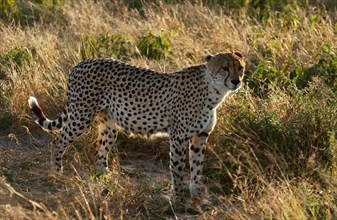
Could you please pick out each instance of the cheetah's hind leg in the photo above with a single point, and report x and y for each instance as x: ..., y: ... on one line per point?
x: 107, y: 135
x: 73, y: 128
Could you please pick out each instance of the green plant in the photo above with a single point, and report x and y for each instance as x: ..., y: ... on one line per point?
x: 5, y: 116
x: 106, y: 45
x: 13, y: 59
x: 8, y: 10
x: 49, y: 2
x: 153, y: 47
x: 293, y: 74
x: 134, y: 4
x: 328, y: 65
x: 325, y: 69
x: 287, y: 135
x: 18, y: 56
x: 262, y: 76
x: 26, y: 12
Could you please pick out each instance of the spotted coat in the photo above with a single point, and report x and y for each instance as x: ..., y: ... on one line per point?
x: 143, y: 101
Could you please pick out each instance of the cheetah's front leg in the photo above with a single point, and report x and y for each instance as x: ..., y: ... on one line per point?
x: 178, y: 154
x: 196, y: 160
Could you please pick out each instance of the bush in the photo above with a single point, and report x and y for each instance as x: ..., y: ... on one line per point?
x: 106, y: 45
x: 28, y: 12
x: 18, y: 56
x: 8, y: 10
x: 121, y: 46
x: 325, y: 69
x: 293, y: 135
x: 153, y: 47
x: 11, y: 60
x: 293, y: 75
x: 134, y: 4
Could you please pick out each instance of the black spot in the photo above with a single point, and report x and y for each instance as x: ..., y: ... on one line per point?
x: 203, y: 134
x: 196, y: 150
x: 59, y: 123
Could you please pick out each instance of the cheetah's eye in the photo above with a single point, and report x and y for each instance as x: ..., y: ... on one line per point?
x: 225, y: 69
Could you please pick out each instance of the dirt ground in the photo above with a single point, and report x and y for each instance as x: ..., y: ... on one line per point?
x: 29, y: 191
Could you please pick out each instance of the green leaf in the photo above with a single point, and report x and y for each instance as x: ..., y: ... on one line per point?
x: 325, y: 48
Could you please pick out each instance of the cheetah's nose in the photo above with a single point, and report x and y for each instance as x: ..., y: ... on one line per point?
x: 235, y: 82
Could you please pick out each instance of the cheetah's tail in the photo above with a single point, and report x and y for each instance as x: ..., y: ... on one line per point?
x: 41, y: 119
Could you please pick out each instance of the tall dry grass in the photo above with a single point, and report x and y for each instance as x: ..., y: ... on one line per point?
x: 272, y: 154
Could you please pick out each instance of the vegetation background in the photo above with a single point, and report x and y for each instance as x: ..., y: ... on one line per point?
x: 272, y: 154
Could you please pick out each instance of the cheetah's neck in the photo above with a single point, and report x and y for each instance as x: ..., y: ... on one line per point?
x: 217, y: 91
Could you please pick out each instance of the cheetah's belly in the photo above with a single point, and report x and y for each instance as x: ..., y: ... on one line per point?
x: 143, y: 121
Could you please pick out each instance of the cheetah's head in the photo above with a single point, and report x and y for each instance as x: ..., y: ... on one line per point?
x: 226, y: 70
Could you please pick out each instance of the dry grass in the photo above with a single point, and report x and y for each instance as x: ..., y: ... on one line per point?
x: 271, y: 156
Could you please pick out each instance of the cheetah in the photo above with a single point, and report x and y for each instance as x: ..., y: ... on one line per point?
x: 142, y: 101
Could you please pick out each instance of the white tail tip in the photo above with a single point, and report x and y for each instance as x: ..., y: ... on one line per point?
x: 32, y: 101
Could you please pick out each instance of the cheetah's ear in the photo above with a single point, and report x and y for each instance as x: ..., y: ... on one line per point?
x: 237, y: 53
x: 208, y: 57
